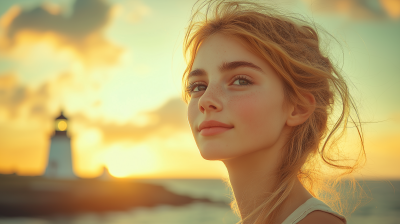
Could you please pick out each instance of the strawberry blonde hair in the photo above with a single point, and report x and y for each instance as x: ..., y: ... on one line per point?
x: 292, y: 47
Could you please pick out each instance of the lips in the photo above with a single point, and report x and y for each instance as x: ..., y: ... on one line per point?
x: 213, y: 123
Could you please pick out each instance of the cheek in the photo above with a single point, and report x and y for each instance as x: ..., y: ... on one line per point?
x: 259, y: 114
x: 246, y: 107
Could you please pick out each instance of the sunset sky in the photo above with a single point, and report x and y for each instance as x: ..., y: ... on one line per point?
x: 114, y: 67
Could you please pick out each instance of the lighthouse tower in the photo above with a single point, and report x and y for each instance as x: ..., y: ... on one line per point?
x: 59, y: 164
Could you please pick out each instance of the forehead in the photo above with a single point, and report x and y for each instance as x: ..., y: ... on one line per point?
x: 220, y: 48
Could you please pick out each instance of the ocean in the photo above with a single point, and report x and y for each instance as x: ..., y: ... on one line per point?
x: 382, y: 205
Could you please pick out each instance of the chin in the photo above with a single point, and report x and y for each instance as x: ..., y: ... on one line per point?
x: 212, y: 153
x: 211, y: 156
x: 217, y: 153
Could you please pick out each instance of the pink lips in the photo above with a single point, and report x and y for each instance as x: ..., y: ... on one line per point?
x: 213, y: 127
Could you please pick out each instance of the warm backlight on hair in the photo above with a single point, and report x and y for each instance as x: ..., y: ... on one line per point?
x: 62, y: 125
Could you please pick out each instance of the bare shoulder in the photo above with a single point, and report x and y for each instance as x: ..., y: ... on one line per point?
x: 316, y: 217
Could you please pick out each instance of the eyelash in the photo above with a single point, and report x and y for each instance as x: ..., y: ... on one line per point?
x: 192, y: 85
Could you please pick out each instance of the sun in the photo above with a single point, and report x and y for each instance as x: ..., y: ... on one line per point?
x: 138, y: 160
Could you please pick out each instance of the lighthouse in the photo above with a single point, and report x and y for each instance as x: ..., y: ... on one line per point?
x: 59, y: 163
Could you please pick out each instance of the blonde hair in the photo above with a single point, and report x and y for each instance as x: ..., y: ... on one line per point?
x: 292, y: 47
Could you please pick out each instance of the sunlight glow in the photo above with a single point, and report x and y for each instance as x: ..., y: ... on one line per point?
x: 123, y: 161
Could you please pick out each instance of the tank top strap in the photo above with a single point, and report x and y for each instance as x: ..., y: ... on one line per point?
x: 309, y: 206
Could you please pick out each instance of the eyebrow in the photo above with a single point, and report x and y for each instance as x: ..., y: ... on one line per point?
x: 226, y: 66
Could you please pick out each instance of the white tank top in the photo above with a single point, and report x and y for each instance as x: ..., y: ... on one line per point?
x: 309, y: 206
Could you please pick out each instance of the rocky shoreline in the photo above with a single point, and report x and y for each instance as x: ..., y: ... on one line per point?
x: 24, y: 196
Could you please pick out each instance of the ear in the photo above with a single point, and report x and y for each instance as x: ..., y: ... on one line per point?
x: 298, y: 114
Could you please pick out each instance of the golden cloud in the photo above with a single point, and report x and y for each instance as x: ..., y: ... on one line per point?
x: 81, y: 32
x: 166, y: 121
x: 13, y: 97
x: 41, y: 104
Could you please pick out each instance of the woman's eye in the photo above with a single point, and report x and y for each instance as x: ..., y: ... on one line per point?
x: 199, y: 88
x: 241, y: 82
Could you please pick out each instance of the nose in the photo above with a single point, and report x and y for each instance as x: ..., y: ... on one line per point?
x: 210, y: 101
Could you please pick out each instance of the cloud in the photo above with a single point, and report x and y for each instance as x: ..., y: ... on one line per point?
x: 81, y: 31
x: 357, y: 9
x: 133, y: 11
x: 22, y: 102
x: 164, y: 122
x: 11, y: 96
x: 15, y: 98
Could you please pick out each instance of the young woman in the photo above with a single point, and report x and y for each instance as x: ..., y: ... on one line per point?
x: 260, y: 94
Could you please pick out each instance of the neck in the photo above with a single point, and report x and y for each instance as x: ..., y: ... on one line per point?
x: 253, y: 177
x: 252, y: 182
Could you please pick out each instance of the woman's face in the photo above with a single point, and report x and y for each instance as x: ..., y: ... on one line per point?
x: 233, y: 86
